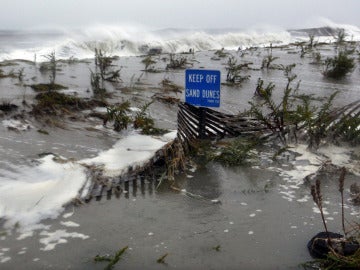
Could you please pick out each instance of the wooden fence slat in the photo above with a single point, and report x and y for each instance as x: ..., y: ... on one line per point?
x: 217, y: 124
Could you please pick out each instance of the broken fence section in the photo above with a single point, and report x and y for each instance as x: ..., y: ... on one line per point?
x: 163, y: 165
x: 200, y: 123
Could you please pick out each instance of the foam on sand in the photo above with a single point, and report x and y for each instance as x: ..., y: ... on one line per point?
x: 31, y: 194
x: 130, y: 151
x: 307, y: 163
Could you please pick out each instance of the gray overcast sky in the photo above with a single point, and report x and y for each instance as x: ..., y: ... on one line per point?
x: 17, y: 14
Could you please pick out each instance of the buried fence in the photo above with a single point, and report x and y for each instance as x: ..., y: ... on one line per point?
x: 163, y: 165
x: 193, y: 123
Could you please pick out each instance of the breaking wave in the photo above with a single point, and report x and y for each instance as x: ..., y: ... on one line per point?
x: 132, y: 41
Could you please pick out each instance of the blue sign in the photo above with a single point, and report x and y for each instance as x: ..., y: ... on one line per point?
x: 202, y: 87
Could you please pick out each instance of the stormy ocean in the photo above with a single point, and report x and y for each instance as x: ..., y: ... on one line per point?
x: 135, y: 41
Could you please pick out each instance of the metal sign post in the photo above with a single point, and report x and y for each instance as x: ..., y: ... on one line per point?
x: 202, y: 88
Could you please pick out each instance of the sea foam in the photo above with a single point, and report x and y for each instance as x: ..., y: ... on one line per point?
x: 128, y: 40
x: 31, y: 194
x: 130, y: 151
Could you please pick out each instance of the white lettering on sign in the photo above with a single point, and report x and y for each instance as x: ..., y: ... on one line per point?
x: 213, y: 94
x: 211, y: 78
x: 196, y: 78
x: 193, y: 93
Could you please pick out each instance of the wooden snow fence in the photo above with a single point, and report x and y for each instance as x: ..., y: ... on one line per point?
x: 204, y: 123
x: 163, y: 165
x: 193, y: 123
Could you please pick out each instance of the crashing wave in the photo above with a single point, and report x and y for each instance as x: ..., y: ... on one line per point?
x: 131, y: 41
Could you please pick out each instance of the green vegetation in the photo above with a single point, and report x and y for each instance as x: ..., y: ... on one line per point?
x: 348, y: 129
x: 103, y: 72
x: 298, y: 113
x: 169, y: 86
x: 119, y: 115
x: 47, y: 87
x: 111, y: 259
x: 148, y: 62
x: 268, y: 60
x: 43, y: 131
x: 178, y: 62
x: 233, y: 71
x: 97, y: 85
x: 286, y: 119
x: 315, y: 122
x: 308, y: 47
x: 340, y: 37
x: 104, y: 64
x: 145, y: 123
x: 231, y: 152
x: 122, y: 117
x: 276, y: 117
x: 162, y: 258
x: 54, y: 103
x: 221, y: 53
x: 236, y: 152
x: 325, y: 122
x: 51, y: 66
x: 54, y: 98
x: 217, y: 248
x: 339, y: 66
x: 262, y: 91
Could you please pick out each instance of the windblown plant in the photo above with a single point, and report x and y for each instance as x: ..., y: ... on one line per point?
x: 277, y: 117
x: 104, y: 64
x: 339, y: 66
x: 119, y: 115
x: 343, y: 252
x: 297, y: 113
x: 234, y: 70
